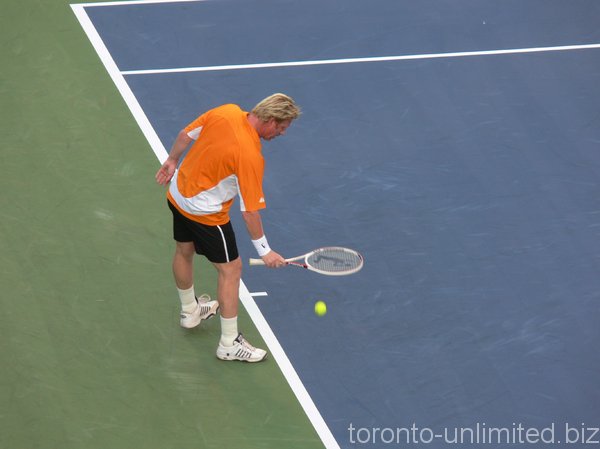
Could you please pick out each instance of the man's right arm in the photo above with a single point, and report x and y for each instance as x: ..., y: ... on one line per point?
x: 167, y: 170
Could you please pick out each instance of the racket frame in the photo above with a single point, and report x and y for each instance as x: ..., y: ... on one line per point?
x: 294, y: 261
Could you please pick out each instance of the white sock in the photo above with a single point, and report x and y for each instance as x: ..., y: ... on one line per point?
x: 188, y: 299
x: 229, y: 330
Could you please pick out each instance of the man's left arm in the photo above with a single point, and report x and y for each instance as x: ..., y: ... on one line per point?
x: 255, y: 229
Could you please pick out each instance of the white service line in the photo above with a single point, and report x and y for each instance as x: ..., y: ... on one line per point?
x: 269, y: 65
x: 246, y: 298
x: 133, y: 3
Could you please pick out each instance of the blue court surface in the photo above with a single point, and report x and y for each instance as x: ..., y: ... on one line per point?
x: 468, y: 177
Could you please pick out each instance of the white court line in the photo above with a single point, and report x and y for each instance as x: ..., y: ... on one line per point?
x: 247, y: 300
x: 134, y: 3
x: 122, y: 86
x: 288, y: 369
x: 256, y: 294
x: 268, y: 65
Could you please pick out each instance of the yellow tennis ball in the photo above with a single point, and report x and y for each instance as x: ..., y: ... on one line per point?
x: 320, y: 308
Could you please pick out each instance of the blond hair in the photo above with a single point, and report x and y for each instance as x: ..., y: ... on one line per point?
x: 277, y: 106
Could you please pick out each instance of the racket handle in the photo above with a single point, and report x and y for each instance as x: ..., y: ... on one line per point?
x: 256, y: 262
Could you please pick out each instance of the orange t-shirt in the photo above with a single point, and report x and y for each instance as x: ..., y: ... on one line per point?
x: 224, y: 161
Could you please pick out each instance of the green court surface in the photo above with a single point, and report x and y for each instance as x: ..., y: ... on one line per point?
x: 91, y: 353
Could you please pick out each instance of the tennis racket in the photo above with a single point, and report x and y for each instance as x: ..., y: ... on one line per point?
x: 331, y: 261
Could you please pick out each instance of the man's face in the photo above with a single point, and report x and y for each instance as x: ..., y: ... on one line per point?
x: 272, y: 129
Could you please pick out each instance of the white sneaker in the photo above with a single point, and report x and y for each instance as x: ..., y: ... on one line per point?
x: 241, y: 350
x: 205, y: 309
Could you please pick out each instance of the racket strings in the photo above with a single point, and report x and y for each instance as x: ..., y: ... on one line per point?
x: 335, y: 260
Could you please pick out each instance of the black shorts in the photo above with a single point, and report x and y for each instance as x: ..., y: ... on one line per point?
x: 216, y: 243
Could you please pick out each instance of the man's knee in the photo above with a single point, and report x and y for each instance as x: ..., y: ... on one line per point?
x: 185, y: 249
x: 230, y: 269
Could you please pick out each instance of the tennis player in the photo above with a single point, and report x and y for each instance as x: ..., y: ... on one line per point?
x: 224, y: 161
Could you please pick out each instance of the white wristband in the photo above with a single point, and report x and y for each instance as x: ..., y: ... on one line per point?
x: 262, y: 246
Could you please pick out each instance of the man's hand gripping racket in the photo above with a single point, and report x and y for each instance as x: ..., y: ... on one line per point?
x: 330, y: 261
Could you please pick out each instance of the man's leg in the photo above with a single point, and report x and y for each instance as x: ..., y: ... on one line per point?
x: 232, y: 345
x: 228, y: 291
x: 192, y: 311
x: 228, y: 286
x: 183, y: 265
